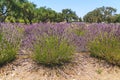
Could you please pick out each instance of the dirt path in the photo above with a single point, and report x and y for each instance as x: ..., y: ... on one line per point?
x: 83, y: 67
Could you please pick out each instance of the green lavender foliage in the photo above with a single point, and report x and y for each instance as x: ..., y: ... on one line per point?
x: 52, y: 50
x: 106, y: 47
x: 7, y: 51
x: 10, y: 42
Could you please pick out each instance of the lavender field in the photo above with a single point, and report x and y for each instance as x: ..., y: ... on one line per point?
x: 100, y: 39
x: 62, y: 48
x: 59, y: 40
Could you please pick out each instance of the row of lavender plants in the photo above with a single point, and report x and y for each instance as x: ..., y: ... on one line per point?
x: 101, y: 40
x: 55, y: 43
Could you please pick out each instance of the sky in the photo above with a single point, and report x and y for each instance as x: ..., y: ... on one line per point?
x: 81, y: 7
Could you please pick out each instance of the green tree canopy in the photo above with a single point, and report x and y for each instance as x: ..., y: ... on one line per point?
x: 69, y: 15
x: 7, y: 7
x: 102, y: 14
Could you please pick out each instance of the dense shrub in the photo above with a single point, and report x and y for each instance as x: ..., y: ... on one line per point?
x: 51, y: 45
x: 10, y: 40
x: 7, y: 51
x: 106, y: 47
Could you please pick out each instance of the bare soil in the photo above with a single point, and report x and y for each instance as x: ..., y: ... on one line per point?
x: 82, y: 67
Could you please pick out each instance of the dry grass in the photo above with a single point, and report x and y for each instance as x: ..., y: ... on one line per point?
x: 82, y: 67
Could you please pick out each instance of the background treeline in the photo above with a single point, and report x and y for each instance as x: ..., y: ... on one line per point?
x: 27, y: 12
x: 102, y: 14
x: 23, y: 11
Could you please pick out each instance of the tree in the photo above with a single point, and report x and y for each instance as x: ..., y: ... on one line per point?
x: 51, y: 15
x: 47, y: 15
x: 59, y: 17
x: 28, y: 11
x: 80, y: 19
x: 102, y: 14
x: 93, y: 16
x: 8, y: 6
x: 42, y: 14
x: 116, y: 18
x: 69, y: 15
x: 107, y: 12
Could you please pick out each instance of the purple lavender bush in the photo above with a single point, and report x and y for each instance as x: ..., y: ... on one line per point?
x: 106, y: 44
x: 10, y: 40
x: 50, y: 43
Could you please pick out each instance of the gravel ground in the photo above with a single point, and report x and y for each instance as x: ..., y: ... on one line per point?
x: 82, y: 67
